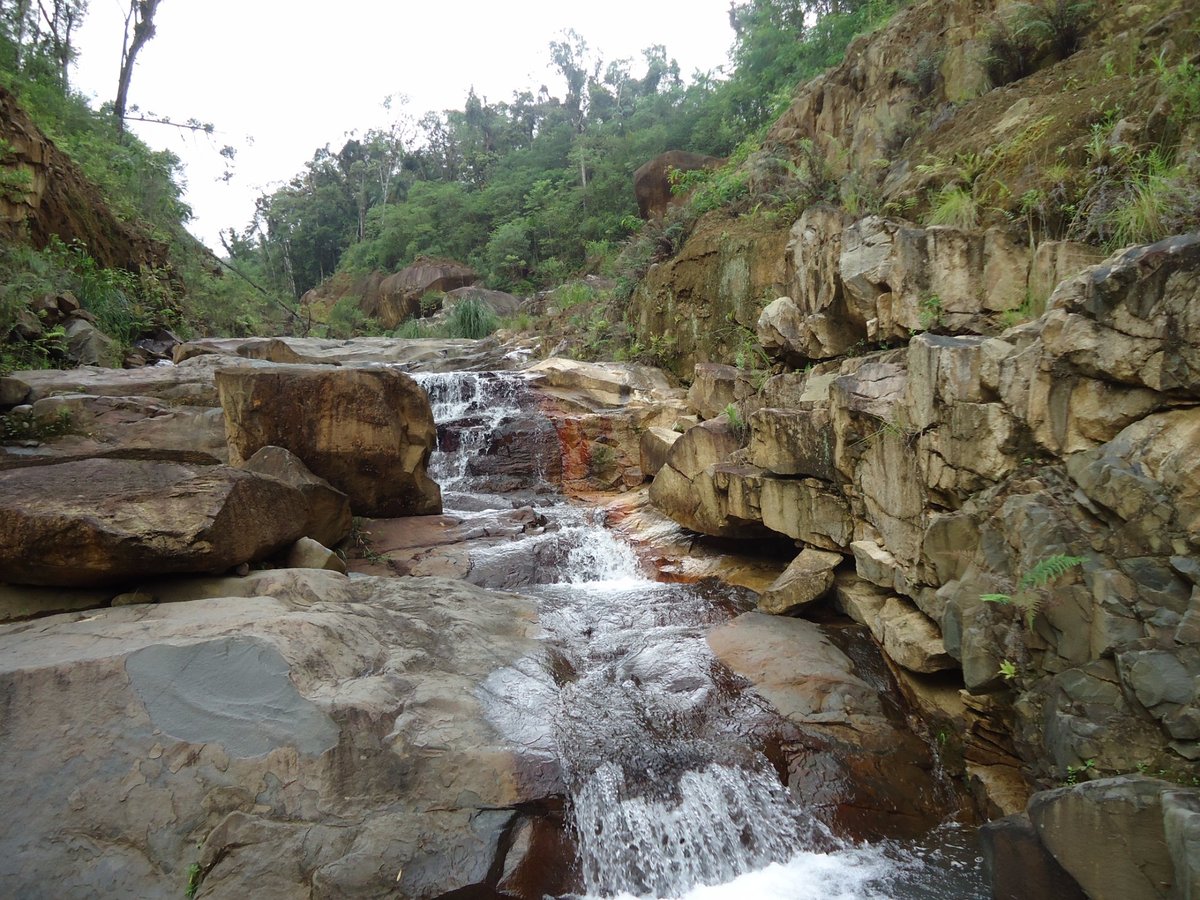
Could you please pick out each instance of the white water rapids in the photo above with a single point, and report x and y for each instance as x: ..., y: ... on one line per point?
x: 669, y: 791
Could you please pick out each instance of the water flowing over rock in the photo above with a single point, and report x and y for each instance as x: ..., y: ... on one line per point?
x: 368, y: 432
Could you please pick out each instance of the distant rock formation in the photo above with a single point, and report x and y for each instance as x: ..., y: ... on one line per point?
x: 652, y: 183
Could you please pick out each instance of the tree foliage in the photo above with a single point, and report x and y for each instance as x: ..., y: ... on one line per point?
x: 520, y: 188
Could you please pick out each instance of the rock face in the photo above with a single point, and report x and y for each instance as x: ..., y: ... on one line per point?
x: 61, y: 201
x: 709, y: 297
x: 106, y: 521
x: 954, y: 465
x: 652, y: 182
x: 840, y: 726
x: 354, y: 729
x: 368, y: 432
x: 880, y: 280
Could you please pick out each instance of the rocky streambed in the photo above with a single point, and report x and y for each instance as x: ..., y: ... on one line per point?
x: 519, y: 677
x: 514, y: 704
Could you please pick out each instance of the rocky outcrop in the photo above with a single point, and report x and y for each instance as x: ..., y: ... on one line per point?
x: 355, y: 729
x: 106, y: 521
x: 686, y: 486
x: 952, y: 467
x: 60, y: 201
x: 840, y: 725
x: 368, y: 432
x: 716, y: 387
x: 600, y: 413
x: 652, y: 184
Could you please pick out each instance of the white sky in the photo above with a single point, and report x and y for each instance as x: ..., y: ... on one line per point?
x: 279, y: 79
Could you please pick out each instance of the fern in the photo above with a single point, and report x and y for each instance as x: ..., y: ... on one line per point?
x: 1048, y: 570
x: 1031, y: 585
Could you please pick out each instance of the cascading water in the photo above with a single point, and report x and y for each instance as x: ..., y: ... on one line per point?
x: 669, y: 792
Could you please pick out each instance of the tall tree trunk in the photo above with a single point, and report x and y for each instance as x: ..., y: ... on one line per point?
x: 141, y: 16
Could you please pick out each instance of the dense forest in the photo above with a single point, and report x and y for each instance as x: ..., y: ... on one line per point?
x: 530, y: 191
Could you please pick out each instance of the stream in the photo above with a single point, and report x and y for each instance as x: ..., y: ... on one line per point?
x: 665, y: 753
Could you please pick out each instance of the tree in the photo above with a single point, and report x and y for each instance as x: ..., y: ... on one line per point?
x: 141, y: 19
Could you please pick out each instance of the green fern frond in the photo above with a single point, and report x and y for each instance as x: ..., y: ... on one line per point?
x: 1049, y: 569
x: 995, y: 598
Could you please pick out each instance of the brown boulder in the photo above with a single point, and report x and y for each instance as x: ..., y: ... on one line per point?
x: 400, y: 294
x: 104, y: 521
x: 652, y: 183
x: 368, y: 432
x: 329, y: 518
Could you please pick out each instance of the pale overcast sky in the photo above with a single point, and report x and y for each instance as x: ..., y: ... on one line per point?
x: 279, y: 79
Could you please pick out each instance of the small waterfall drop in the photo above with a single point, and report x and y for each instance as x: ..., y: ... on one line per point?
x: 670, y: 796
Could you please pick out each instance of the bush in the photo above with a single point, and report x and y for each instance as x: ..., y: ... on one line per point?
x: 1033, y: 33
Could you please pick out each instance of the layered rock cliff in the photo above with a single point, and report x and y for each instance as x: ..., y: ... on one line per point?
x: 960, y: 412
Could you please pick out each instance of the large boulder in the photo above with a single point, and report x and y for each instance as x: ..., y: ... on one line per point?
x: 329, y: 520
x: 400, y: 294
x: 287, y: 733
x: 106, y: 521
x: 368, y: 432
x: 807, y: 579
x: 652, y: 181
x: 1109, y: 835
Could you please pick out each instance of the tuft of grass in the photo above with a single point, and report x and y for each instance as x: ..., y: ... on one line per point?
x: 954, y: 205
x: 471, y: 318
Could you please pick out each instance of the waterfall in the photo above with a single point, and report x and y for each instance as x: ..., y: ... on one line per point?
x: 668, y: 796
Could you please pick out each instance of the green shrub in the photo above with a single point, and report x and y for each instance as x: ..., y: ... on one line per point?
x: 1031, y: 33
x: 412, y: 329
x: 569, y: 295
